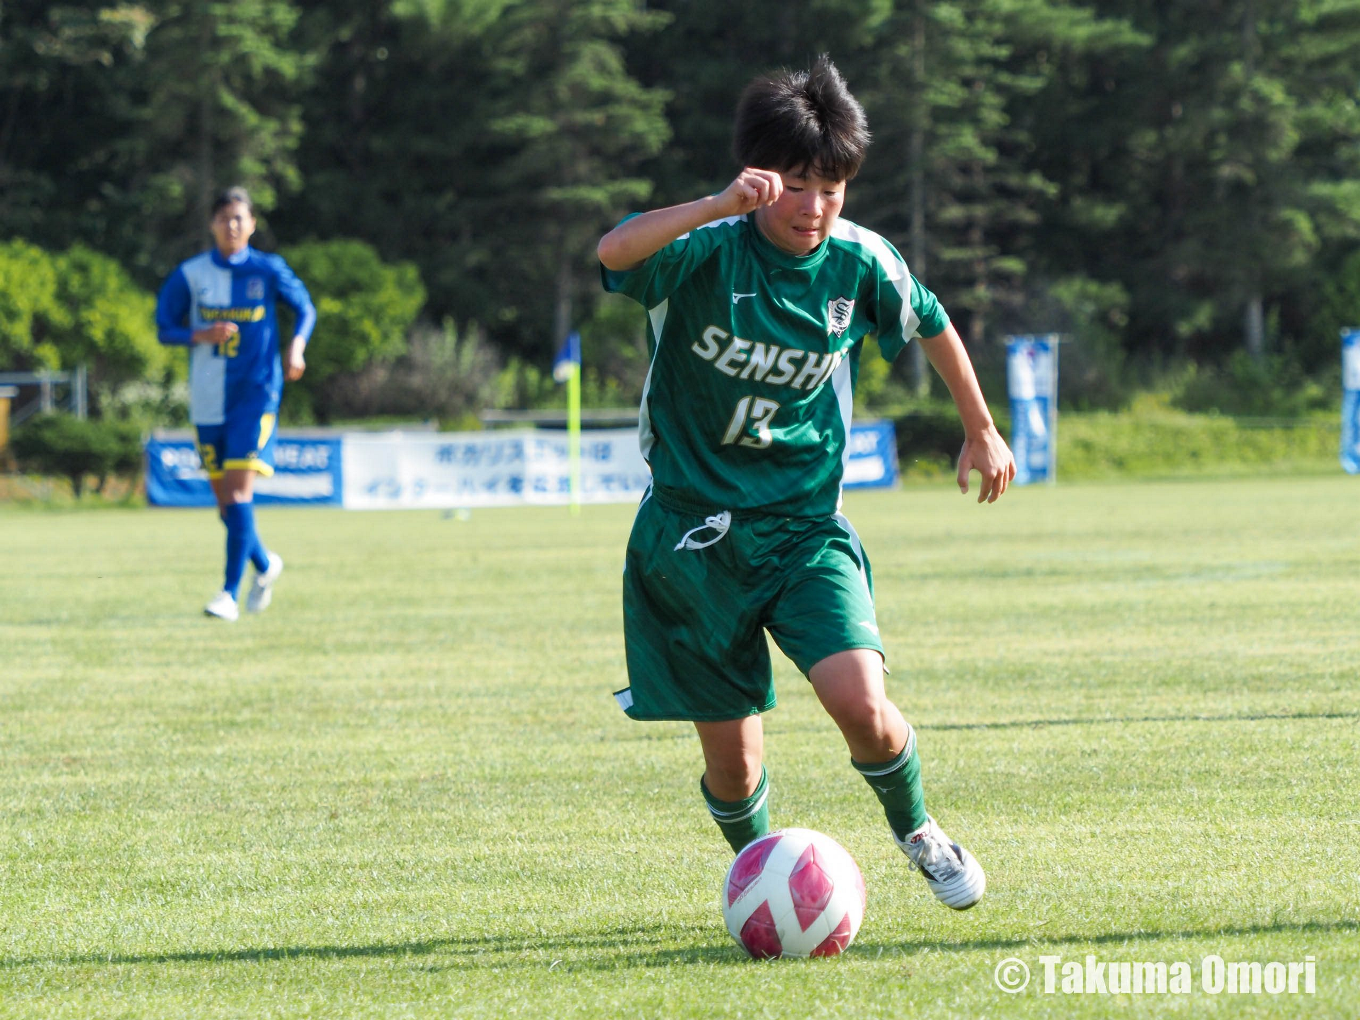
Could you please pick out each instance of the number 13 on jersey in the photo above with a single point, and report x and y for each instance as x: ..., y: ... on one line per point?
x: 759, y: 411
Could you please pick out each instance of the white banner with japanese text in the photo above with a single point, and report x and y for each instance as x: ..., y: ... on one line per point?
x: 454, y: 470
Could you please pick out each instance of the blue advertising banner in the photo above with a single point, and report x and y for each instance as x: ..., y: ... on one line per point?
x: 451, y: 470
x: 1350, y: 400
x: 307, y: 471
x: 1032, y: 379
x: 872, y: 456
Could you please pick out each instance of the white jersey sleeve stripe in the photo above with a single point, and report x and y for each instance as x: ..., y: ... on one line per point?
x: 894, y: 269
x: 726, y: 220
x: 845, y: 402
x: 646, y: 437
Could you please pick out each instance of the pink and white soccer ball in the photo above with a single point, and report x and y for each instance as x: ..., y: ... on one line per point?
x: 794, y: 892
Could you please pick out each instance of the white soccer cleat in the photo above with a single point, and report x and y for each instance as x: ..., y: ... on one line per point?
x: 956, y: 879
x: 262, y: 591
x: 223, y: 607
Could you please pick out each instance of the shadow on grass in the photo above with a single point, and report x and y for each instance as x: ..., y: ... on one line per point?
x: 626, y: 948
x: 1020, y: 724
x: 1026, y: 724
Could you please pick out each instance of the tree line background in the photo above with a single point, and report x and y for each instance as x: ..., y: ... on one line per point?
x: 1173, y: 184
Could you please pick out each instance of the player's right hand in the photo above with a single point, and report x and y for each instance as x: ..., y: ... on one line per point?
x: 217, y: 333
x: 752, y: 189
x: 988, y: 455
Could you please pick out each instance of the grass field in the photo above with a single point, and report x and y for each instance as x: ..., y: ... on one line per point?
x: 406, y: 792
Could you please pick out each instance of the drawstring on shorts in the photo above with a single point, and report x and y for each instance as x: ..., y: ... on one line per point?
x: 719, y: 522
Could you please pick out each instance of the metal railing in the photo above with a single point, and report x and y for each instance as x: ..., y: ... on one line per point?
x: 48, y: 398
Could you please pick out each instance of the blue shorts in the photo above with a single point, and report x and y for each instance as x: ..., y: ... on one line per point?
x: 243, y: 441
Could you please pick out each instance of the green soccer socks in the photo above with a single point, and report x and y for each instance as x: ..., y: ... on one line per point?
x: 742, y: 821
x: 898, y: 786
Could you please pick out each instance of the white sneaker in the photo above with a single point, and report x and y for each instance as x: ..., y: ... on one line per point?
x: 956, y: 879
x: 262, y: 591
x: 223, y: 607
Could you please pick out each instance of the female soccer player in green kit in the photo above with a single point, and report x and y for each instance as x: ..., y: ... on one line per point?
x: 758, y: 300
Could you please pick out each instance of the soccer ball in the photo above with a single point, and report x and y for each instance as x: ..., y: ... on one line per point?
x: 793, y: 892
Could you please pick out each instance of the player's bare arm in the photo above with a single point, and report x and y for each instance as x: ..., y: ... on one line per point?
x: 294, y: 364
x: 634, y: 241
x: 984, y: 451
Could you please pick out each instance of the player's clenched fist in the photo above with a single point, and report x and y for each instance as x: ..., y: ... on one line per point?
x: 217, y: 333
x: 752, y: 189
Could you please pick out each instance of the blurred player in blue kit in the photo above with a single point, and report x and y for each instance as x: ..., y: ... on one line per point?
x: 221, y: 305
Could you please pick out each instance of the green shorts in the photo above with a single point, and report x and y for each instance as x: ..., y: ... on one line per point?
x: 694, y: 616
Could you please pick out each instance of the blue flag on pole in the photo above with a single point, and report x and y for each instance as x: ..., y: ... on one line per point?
x: 568, y: 357
x: 1350, y: 400
x: 1032, y: 379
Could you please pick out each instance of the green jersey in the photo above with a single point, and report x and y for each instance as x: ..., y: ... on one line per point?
x: 754, y: 357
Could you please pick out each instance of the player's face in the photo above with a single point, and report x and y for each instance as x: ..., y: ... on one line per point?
x: 805, y: 213
x: 232, y: 227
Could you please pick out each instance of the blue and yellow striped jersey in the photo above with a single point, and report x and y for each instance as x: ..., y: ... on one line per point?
x: 245, y: 372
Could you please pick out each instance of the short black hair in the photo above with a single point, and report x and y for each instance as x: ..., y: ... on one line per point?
x: 231, y: 196
x: 801, y: 120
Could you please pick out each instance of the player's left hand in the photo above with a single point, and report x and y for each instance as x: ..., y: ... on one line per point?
x: 988, y: 455
x: 295, y: 364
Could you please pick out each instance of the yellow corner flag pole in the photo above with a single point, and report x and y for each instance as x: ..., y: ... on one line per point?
x: 574, y: 435
x: 567, y: 369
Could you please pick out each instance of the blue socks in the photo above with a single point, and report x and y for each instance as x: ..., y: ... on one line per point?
x: 259, y: 555
x: 243, y: 543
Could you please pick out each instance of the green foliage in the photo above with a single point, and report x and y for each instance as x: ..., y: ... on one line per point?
x: 614, y: 345
x: 364, y: 308
x: 566, y: 127
x: 446, y: 373
x: 1275, y: 386
x: 1092, y: 316
x: 1168, y: 165
x: 1334, y: 305
x: 522, y: 384
x: 66, y: 446
x: 1151, y: 442
x: 949, y: 97
x: 216, y: 104
x: 874, y: 381
x: 111, y: 324
x: 29, y: 309
x: 64, y: 69
x: 518, y: 150
x: 1228, y: 148
x: 78, y: 307
x: 156, y: 402
x: 932, y: 435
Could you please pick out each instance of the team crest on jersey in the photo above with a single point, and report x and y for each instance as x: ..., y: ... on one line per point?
x: 838, y: 314
x: 255, y: 289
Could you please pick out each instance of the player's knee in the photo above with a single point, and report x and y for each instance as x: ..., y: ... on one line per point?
x: 733, y: 778
x: 865, y: 714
